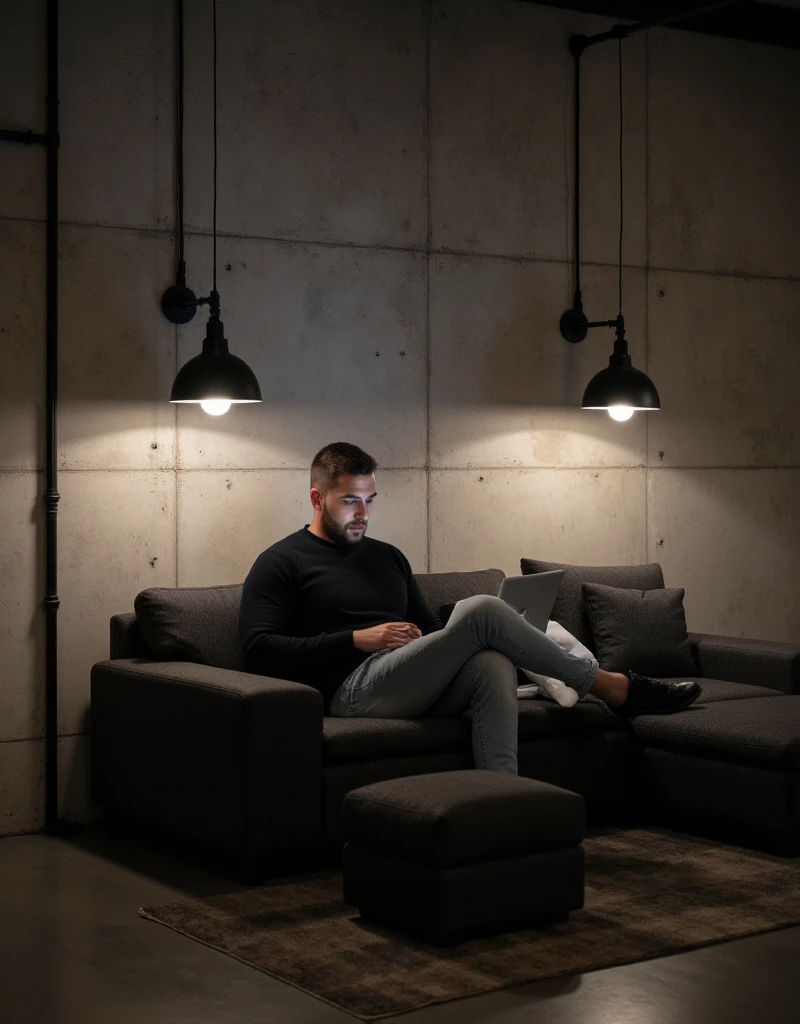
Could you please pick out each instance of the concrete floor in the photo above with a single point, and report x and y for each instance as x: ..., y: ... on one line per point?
x: 74, y: 951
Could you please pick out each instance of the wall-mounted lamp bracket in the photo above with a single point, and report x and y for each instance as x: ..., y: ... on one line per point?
x: 575, y: 326
x: 179, y: 304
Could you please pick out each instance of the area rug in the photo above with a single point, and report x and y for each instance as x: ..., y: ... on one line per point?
x: 649, y: 892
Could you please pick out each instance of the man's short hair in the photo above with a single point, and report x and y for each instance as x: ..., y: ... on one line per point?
x: 336, y: 459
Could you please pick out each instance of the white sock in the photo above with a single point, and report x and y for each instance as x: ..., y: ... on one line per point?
x: 549, y: 687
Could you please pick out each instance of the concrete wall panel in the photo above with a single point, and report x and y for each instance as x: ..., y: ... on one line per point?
x: 75, y: 781
x: 505, y: 386
x: 23, y: 108
x: 730, y: 538
x: 501, y: 133
x: 117, y: 351
x: 723, y: 155
x: 227, y: 519
x: 725, y: 358
x: 117, y: 83
x: 321, y: 120
x: 22, y: 635
x: 22, y: 790
x: 117, y: 537
x: 21, y: 786
x: 22, y: 345
x: 494, y: 518
x: 345, y: 133
x: 336, y: 337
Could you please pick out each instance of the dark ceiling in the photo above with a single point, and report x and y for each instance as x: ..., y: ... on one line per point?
x: 756, y: 22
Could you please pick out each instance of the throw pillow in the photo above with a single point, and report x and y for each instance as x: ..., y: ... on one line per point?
x: 569, y: 608
x: 198, y: 624
x: 642, y: 630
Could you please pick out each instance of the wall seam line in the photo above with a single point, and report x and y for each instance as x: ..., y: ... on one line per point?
x: 41, y: 739
x: 437, y: 250
x: 455, y: 469
x: 440, y: 251
x: 177, y: 471
x: 428, y: 14
x: 647, y: 288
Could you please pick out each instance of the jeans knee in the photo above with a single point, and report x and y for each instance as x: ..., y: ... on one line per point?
x: 492, y: 668
x: 480, y: 603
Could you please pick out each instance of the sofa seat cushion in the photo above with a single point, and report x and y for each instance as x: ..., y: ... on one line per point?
x: 544, y: 718
x: 760, y: 731
x: 367, y: 739
x: 720, y: 689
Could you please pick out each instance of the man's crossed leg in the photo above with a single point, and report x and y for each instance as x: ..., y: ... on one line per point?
x: 470, y: 666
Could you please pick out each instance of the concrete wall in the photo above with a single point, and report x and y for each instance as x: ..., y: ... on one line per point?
x: 394, y: 212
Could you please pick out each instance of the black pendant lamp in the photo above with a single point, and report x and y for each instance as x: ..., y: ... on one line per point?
x: 621, y: 389
x: 215, y: 379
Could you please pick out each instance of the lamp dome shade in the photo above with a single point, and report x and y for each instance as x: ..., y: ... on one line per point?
x: 215, y: 375
x: 621, y: 385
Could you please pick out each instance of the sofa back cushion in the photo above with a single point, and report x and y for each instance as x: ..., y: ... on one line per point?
x: 443, y: 589
x: 570, y: 609
x: 126, y: 639
x: 192, y: 624
x: 202, y: 623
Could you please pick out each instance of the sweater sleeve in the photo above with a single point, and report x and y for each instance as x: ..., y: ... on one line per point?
x: 268, y: 596
x: 419, y: 611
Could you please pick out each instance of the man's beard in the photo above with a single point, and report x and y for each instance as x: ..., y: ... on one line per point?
x: 339, y: 534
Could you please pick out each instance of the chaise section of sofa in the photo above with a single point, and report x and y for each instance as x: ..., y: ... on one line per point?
x: 771, y: 664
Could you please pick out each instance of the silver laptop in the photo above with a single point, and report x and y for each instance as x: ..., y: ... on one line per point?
x: 533, y: 596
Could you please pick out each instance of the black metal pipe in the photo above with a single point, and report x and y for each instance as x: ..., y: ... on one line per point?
x: 578, y: 44
x: 51, y: 601
x: 577, y: 184
x: 623, y: 31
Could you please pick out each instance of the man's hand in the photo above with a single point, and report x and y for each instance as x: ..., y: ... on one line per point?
x: 388, y: 634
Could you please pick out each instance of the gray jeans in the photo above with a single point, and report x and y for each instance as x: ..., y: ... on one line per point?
x: 469, y: 667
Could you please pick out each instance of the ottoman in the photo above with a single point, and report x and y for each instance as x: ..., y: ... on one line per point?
x: 451, y: 855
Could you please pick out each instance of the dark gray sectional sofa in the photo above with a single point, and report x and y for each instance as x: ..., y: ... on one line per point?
x: 186, y: 743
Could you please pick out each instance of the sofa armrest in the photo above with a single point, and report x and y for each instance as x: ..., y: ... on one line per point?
x: 229, y: 759
x: 769, y: 663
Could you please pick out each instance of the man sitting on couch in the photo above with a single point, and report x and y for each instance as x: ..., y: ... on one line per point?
x: 336, y: 610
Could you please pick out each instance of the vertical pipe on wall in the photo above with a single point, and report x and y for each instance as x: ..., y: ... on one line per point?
x: 51, y: 497
x: 50, y: 140
x: 53, y: 823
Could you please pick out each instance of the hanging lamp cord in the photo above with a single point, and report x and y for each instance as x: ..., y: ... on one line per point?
x: 577, y: 182
x: 621, y: 208
x: 214, y: 229
x: 179, y: 34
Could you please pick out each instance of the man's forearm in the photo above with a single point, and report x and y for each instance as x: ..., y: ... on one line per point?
x: 275, y: 654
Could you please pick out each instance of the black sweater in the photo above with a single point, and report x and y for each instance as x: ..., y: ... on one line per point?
x: 304, y: 597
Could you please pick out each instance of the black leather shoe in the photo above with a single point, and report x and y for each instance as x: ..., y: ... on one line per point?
x: 648, y: 696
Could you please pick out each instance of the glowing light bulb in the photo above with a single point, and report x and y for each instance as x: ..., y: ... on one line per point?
x: 215, y: 406
x: 620, y: 413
